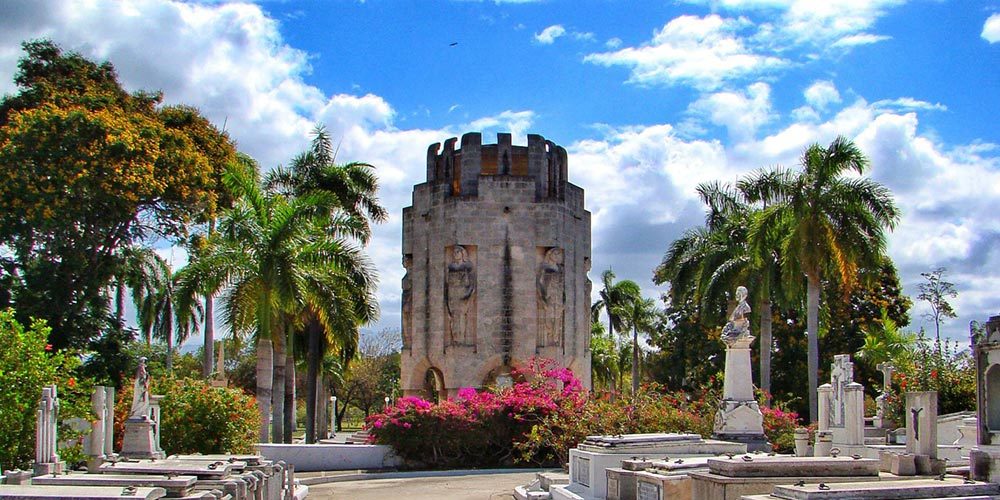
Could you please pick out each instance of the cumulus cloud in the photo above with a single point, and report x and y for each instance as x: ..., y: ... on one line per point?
x: 740, y: 112
x: 549, y: 35
x: 821, y: 94
x: 613, y: 43
x: 991, y: 29
x: 700, y: 51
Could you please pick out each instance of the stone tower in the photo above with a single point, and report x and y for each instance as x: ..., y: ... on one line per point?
x: 496, y: 248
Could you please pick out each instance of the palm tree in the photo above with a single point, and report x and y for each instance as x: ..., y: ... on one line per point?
x: 138, y: 269
x: 161, y: 315
x: 614, y: 299
x: 825, y: 223
x: 354, y: 186
x: 639, y: 315
x: 272, y: 255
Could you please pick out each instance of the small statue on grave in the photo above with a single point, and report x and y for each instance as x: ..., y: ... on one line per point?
x: 738, y: 325
x: 140, y: 395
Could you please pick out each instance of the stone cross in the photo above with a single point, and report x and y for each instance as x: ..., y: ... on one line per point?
x: 46, y: 456
x: 841, y: 374
x: 886, y: 368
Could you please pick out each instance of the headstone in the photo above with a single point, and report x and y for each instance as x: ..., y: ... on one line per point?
x: 841, y: 408
x: 739, y: 417
x: 46, y: 456
x: 921, y: 423
x: 140, y: 432
x: 219, y: 377
x: 841, y: 374
x: 881, y: 403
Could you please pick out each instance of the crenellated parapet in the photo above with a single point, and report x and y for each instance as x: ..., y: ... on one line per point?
x: 543, y: 161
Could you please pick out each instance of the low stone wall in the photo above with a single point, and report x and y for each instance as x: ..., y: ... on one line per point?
x: 323, y: 457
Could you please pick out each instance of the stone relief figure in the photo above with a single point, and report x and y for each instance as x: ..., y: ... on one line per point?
x: 140, y: 394
x: 407, y: 300
x: 551, y: 284
x: 459, y: 294
x: 738, y: 325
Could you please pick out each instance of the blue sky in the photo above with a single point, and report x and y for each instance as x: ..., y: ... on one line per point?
x: 649, y: 98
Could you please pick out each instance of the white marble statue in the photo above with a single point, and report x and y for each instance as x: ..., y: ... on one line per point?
x: 738, y: 325
x: 140, y: 395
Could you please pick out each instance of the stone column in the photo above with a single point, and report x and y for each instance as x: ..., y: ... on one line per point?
x: 739, y: 418
x: 46, y: 457
x: 109, y: 421
x: 155, y: 416
x: 854, y: 418
x: 95, y: 447
x: 824, y: 438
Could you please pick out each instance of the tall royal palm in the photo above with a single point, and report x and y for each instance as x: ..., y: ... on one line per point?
x: 639, y: 315
x: 615, y: 297
x: 826, y: 223
x: 161, y: 315
x: 272, y: 255
x: 354, y: 186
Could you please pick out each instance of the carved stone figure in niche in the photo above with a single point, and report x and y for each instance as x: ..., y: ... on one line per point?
x: 407, y: 300
x: 738, y: 325
x: 459, y: 295
x: 551, y: 283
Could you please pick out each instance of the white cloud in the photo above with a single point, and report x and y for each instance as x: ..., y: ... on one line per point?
x: 516, y: 122
x: 740, y: 112
x: 699, y: 51
x: 909, y: 104
x: 991, y: 29
x: 821, y: 94
x: 613, y: 43
x: 549, y: 35
x: 859, y: 39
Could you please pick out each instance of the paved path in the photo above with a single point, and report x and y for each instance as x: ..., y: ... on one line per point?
x: 465, y: 487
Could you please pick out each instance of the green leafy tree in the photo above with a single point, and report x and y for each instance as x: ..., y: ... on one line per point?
x: 86, y: 169
x: 936, y: 292
x: 603, y: 357
x: 886, y: 341
x: 827, y: 225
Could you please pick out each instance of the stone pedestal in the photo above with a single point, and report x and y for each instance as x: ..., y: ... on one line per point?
x: 590, y: 460
x: 739, y: 418
x: 140, y: 439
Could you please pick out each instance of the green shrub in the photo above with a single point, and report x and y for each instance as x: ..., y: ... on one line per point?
x: 945, y: 368
x: 197, y: 418
x: 27, y: 364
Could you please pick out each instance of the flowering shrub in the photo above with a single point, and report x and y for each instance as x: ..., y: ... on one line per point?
x: 197, y: 418
x: 475, y: 428
x: 27, y: 363
x: 935, y: 367
x: 779, y: 427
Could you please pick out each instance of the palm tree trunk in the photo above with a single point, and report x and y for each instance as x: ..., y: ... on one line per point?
x: 765, y: 350
x: 208, y: 360
x: 290, y: 421
x: 278, y: 389
x: 169, y: 362
x: 120, y: 305
x: 322, y: 416
x: 635, y: 361
x: 812, y: 336
x: 312, y: 376
x: 265, y: 367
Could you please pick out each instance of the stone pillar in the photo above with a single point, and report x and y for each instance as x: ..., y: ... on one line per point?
x: 95, y: 443
x: 824, y: 443
x: 472, y: 163
x: 739, y: 418
x: 109, y: 422
x: 801, y: 442
x: 825, y: 393
x: 881, y: 413
x: 47, y: 420
x: 155, y: 416
x: 921, y: 423
x: 854, y: 414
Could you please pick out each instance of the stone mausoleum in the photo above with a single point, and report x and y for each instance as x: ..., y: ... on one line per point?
x: 496, y: 247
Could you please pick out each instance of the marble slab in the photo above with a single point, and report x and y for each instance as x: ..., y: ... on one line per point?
x: 174, y: 485
x: 18, y: 492
x: 765, y: 466
x: 212, y: 470
x: 890, y: 490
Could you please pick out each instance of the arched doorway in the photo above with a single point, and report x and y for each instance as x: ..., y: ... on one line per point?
x: 434, y: 387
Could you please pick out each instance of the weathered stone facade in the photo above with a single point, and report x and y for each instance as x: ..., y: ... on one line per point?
x: 497, y: 248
